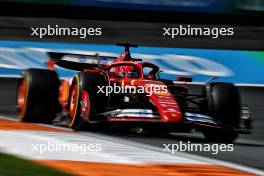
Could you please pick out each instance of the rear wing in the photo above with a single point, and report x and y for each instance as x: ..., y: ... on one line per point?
x: 79, y: 62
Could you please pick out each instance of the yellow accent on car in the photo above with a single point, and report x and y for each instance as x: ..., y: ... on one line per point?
x: 78, y: 89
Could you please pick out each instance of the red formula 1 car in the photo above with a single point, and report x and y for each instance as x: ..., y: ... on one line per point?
x: 95, y: 95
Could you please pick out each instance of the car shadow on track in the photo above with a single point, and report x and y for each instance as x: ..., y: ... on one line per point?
x: 176, y: 137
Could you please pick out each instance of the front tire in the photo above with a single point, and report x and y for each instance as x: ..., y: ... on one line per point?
x: 224, y: 106
x: 84, y: 101
x: 220, y: 135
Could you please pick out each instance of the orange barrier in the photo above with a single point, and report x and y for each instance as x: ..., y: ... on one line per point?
x: 15, y: 125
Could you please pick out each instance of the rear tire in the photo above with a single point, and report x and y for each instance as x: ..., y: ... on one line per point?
x: 37, y: 96
x: 224, y: 106
x: 85, y: 84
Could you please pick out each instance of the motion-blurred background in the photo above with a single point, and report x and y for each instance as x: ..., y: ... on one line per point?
x: 238, y: 59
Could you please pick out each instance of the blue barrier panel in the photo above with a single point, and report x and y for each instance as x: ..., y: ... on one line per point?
x: 246, y: 67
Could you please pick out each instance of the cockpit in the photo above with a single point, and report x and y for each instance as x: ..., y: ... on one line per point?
x: 142, y: 70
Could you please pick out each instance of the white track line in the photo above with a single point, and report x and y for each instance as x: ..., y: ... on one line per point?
x: 112, y: 152
x: 188, y: 155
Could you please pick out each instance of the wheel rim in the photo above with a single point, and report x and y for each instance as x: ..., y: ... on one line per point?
x: 73, y: 102
x: 85, y: 105
x: 22, y: 96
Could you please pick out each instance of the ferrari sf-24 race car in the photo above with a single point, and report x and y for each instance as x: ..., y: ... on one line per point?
x: 43, y: 97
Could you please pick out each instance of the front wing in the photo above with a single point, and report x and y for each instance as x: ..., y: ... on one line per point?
x: 194, y: 119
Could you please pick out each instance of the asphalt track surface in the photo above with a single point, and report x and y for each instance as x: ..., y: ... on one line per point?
x: 248, y: 149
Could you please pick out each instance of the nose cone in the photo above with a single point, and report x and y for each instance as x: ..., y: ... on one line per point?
x: 167, y: 107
